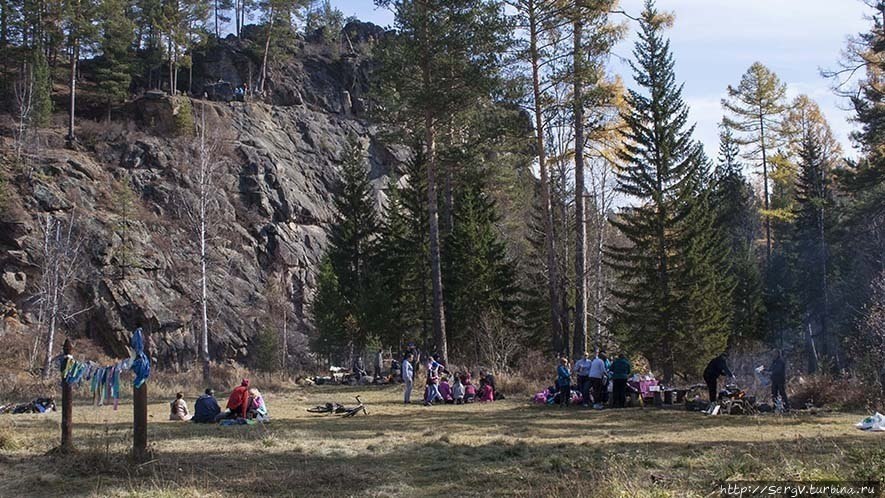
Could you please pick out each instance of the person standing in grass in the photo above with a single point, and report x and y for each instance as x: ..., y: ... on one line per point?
x: 621, y: 370
x: 582, y: 370
x: 597, y: 379
x: 779, y: 380
x: 564, y: 381
x: 408, y: 377
x: 379, y: 363
x: 717, y: 367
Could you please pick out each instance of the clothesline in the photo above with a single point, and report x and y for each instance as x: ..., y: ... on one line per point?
x: 104, y: 381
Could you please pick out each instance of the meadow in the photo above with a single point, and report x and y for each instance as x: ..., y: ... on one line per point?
x: 506, y: 448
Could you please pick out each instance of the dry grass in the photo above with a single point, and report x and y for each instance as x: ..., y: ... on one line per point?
x: 505, y: 448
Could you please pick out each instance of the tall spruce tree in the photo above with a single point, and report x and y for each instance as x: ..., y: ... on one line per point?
x: 736, y: 211
x: 351, y: 252
x: 813, y: 225
x: 480, y: 275
x: 671, y: 301
x: 402, y: 261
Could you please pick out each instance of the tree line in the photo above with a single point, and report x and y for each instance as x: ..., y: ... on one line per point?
x: 544, y: 206
x: 776, y: 241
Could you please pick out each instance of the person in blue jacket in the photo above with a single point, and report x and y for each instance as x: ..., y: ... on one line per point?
x: 564, y: 381
x: 206, y: 408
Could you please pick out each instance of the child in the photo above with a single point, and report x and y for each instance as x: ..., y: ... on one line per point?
x: 458, y: 391
x: 445, y: 390
x: 257, y: 407
x: 469, y: 393
x: 486, y: 393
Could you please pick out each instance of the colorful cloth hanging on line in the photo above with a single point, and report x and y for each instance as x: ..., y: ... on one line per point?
x: 141, y: 364
x: 104, y: 381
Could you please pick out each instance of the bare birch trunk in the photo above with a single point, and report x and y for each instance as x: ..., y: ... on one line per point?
x: 75, y: 55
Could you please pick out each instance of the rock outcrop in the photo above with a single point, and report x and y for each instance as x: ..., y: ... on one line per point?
x: 137, y: 264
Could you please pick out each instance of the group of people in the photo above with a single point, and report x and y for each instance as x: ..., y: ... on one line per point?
x: 592, y: 377
x: 243, y: 403
x: 441, y: 387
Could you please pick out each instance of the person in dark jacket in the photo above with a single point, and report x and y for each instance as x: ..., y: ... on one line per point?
x: 718, y: 366
x: 621, y: 370
x: 206, y: 408
x: 779, y: 380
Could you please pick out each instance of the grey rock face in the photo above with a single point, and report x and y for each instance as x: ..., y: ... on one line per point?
x: 139, y: 266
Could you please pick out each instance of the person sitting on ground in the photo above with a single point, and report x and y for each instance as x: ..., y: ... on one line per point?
x: 458, y: 390
x: 717, y: 367
x: 237, y: 403
x: 205, y: 408
x: 490, y: 379
x: 257, y: 406
x: 486, y: 393
x: 469, y: 391
x: 564, y: 382
x: 445, y: 391
x: 178, y: 408
x: 620, y: 371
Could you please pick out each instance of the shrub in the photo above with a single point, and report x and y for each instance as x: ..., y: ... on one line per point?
x: 824, y: 390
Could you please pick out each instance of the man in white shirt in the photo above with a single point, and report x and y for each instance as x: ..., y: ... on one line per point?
x: 408, y: 377
x: 582, y: 369
x: 597, y: 379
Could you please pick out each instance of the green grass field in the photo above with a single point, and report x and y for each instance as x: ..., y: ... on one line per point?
x: 508, y: 448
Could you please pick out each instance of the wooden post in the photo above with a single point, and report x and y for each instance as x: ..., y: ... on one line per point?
x: 67, y: 444
x: 139, y: 418
x: 139, y: 436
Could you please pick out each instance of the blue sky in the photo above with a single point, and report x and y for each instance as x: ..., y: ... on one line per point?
x: 715, y: 41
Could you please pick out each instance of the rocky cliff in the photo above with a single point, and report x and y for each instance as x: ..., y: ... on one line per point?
x: 122, y: 188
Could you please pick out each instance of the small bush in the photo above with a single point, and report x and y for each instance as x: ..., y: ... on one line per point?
x: 824, y: 390
x: 8, y: 441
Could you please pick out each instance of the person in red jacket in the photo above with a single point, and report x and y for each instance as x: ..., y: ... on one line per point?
x: 237, y: 403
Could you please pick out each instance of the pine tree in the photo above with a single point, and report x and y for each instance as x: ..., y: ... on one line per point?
x: 671, y: 302
x: 445, y: 55
x: 757, y: 106
x: 114, y: 68
x: 41, y: 112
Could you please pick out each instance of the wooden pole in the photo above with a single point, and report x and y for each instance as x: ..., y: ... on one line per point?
x: 67, y: 425
x: 139, y: 436
x: 139, y: 418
